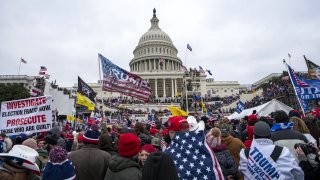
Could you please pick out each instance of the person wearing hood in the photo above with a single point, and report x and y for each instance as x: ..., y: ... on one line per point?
x: 226, y: 161
x: 159, y: 166
x: 57, y: 133
x: 105, y: 144
x: 125, y: 166
x: 234, y: 145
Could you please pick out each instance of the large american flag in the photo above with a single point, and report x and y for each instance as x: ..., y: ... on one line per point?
x: 296, y: 79
x: 193, y: 158
x: 116, y: 79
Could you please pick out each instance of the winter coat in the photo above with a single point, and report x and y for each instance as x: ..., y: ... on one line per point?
x: 310, y: 172
x: 226, y: 161
x: 105, y: 144
x: 288, y: 138
x: 90, y: 162
x: 248, y: 141
x: 234, y: 145
x: 122, y: 168
x: 57, y: 133
x: 285, y: 164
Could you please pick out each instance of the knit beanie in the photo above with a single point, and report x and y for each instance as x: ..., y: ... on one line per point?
x: 149, y: 148
x: 51, y: 139
x: 262, y: 129
x: 129, y: 145
x: 59, y: 166
x: 153, y: 131
x: 91, y: 137
x: 159, y: 166
x: 164, y: 132
x: 30, y: 143
x: 213, y: 137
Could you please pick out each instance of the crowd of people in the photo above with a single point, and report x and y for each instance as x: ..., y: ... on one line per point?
x: 279, y: 146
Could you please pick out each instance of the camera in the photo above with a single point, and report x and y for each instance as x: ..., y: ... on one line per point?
x: 306, y: 148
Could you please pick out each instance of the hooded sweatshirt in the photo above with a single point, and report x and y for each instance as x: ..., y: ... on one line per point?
x: 234, y: 145
x: 105, y: 144
x: 60, y: 142
x: 122, y: 168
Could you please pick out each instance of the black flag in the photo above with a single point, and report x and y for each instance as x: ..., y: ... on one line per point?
x: 86, y: 90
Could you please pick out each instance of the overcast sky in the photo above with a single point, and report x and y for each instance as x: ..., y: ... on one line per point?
x: 238, y: 40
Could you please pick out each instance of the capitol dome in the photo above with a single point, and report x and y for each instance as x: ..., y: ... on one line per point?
x: 155, y: 60
x: 155, y: 51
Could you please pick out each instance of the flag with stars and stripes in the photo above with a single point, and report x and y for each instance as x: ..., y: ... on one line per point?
x: 193, y: 157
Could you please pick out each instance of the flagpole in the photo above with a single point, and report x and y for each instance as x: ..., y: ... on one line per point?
x: 284, y: 61
x: 187, y: 108
x: 101, y: 84
x: 185, y: 85
x: 185, y: 58
x: 289, y: 55
x: 19, y: 67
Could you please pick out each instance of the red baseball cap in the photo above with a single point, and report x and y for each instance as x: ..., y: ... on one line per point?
x: 177, y: 123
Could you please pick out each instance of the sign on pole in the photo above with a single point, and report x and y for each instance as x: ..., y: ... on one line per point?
x: 26, y: 115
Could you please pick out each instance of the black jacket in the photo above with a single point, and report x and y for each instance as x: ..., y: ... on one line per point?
x: 122, y: 168
x: 309, y: 171
x: 226, y: 161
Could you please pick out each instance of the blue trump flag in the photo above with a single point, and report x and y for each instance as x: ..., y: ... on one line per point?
x: 240, y: 107
x: 193, y: 157
x: 305, y: 89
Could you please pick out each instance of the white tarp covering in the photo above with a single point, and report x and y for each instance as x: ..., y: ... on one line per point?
x: 61, y: 102
x: 262, y: 110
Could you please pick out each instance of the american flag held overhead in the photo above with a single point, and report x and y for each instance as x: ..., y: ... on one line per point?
x: 116, y: 79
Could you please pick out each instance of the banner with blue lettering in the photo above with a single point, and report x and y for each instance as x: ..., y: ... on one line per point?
x: 305, y: 89
x: 240, y: 107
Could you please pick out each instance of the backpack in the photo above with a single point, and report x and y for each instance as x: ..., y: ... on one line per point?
x: 274, y: 155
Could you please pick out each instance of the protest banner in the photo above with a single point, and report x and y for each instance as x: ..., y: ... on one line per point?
x: 26, y: 115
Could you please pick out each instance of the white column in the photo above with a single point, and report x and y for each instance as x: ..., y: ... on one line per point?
x: 175, y: 86
x: 172, y: 90
x: 149, y: 65
x: 171, y: 65
x: 154, y: 64
x: 145, y: 65
x: 164, y: 87
x: 156, y: 87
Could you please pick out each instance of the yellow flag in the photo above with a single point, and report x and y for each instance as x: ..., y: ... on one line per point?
x: 177, y: 112
x: 70, y: 118
x: 84, y: 101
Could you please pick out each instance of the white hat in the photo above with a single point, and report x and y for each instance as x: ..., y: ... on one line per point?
x: 193, y: 124
x: 23, y: 156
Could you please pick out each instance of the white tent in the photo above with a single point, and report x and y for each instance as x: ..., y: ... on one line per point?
x: 262, y: 110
